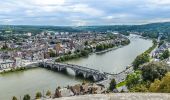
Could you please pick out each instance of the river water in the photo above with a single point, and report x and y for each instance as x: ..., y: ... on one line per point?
x: 38, y: 79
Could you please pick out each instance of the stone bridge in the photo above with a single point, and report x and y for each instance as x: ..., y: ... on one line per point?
x: 78, y: 70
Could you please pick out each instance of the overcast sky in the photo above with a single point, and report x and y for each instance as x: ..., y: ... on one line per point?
x: 83, y: 12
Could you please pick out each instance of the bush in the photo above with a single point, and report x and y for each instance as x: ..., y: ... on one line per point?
x: 14, y: 98
x: 27, y: 97
x: 48, y: 93
x: 38, y: 95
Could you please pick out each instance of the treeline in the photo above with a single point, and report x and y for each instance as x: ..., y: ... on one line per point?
x: 76, y: 54
x: 105, y: 46
x: 101, y: 47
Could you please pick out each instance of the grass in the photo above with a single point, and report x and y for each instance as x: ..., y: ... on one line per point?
x: 121, y: 84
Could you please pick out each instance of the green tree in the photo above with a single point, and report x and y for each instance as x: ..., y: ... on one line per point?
x: 38, y: 95
x: 52, y: 53
x: 14, y: 98
x: 69, y: 52
x: 160, y: 43
x: 141, y: 59
x: 133, y: 79
x: 4, y: 46
x: 48, y: 93
x: 112, y: 85
x: 84, y: 53
x: 86, y: 43
x: 165, y: 54
x: 100, y: 47
x: 154, y: 70
x: 27, y: 97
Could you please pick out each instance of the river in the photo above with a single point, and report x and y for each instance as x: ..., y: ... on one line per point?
x: 38, y: 79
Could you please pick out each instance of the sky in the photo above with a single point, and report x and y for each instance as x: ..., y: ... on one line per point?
x: 83, y: 12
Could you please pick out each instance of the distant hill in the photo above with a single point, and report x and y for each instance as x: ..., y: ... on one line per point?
x: 148, y: 30
x: 153, y: 27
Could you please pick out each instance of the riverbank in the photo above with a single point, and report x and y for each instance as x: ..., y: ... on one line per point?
x: 85, y: 53
x: 107, y: 50
x: 15, y: 70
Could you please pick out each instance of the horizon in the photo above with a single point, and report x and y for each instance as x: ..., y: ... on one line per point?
x: 83, y: 12
x: 86, y: 25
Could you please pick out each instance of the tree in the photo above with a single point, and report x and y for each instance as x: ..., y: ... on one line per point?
x: 84, y: 52
x: 162, y: 85
x: 48, y: 93
x: 38, y: 95
x: 14, y: 98
x: 165, y: 54
x: 4, y: 46
x: 160, y: 43
x: 154, y: 70
x: 27, y: 97
x: 133, y: 79
x: 141, y: 59
x: 165, y: 84
x: 100, y: 47
x: 52, y: 53
x: 154, y: 86
x: 112, y: 85
x: 86, y: 43
x: 69, y: 52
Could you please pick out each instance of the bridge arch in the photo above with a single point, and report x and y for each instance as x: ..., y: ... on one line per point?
x: 81, y: 74
x: 56, y: 68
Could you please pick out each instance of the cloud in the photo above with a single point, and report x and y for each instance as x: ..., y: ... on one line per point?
x: 82, y: 8
x: 83, y: 12
x: 46, y: 2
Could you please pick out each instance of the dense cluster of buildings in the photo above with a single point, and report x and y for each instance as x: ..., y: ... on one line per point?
x: 38, y: 47
x: 159, y: 51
